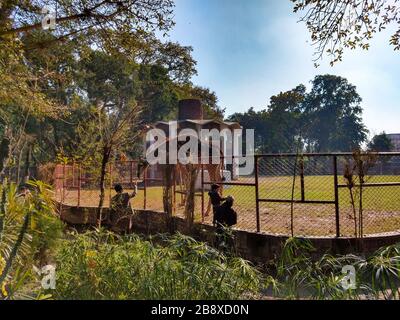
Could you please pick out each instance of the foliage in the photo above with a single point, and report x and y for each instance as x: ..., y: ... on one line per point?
x: 22, y: 105
x: 100, y: 265
x: 101, y: 58
x: 299, y: 275
x: 327, y: 119
x: 347, y: 24
x: 208, y: 99
x: 333, y: 115
x: 381, y: 143
x: 96, y: 19
x: 256, y: 120
x: 103, y: 266
x: 29, y: 229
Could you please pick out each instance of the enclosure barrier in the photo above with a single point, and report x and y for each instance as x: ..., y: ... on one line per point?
x: 329, y: 195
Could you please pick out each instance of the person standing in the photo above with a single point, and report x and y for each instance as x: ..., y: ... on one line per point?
x: 120, y: 204
x: 215, y: 200
x: 225, y: 217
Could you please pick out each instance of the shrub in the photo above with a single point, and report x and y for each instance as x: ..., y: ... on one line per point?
x: 103, y: 266
x: 28, y: 229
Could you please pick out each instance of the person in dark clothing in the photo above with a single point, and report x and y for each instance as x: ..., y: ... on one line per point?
x: 120, y: 203
x: 215, y: 200
x: 225, y: 217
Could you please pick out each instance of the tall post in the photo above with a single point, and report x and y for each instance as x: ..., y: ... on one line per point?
x: 303, y: 197
x: 110, y: 169
x: 131, y: 175
x: 145, y: 189
x: 202, y: 193
x: 174, y: 192
x: 73, y: 174
x: 336, y: 186
x: 257, y: 193
x: 79, y: 184
x: 63, y: 184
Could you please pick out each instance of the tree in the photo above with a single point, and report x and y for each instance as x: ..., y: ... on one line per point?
x: 21, y: 101
x: 277, y: 127
x: 208, y: 99
x: 285, y: 121
x: 111, y: 85
x: 380, y: 143
x: 147, y: 49
x: 339, y: 24
x: 97, y: 19
x: 257, y: 121
x: 333, y: 116
x: 39, y: 74
x: 328, y: 118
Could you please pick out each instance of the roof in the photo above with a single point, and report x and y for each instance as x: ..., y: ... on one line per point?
x: 202, y: 122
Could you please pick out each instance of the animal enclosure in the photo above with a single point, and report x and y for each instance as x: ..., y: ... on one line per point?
x: 312, y: 195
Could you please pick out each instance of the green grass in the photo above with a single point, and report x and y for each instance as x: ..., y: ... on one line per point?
x: 322, y: 188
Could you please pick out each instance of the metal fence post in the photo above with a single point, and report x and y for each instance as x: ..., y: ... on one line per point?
x: 257, y: 194
x: 63, y: 184
x: 145, y: 189
x: 174, y: 192
x: 202, y: 193
x: 303, y: 197
x: 79, y: 184
x: 337, y: 213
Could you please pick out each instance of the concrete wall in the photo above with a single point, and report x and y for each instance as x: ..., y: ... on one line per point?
x: 256, y: 247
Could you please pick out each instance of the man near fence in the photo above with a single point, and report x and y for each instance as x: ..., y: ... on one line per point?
x: 120, y: 205
x: 215, y: 200
x: 224, y: 218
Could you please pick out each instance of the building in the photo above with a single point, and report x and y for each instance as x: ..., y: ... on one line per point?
x: 395, y: 138
x: 191, y: 116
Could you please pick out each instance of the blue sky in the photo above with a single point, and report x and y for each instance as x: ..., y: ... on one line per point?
x: 249, y: 50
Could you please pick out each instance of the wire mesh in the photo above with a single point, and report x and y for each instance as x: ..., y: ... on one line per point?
x: 371, y: 207
x: 306, y: 195
x: 297, y: 195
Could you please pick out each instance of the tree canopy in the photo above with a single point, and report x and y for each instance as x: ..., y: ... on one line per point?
x: 326, y: 119
x: 381, y: 143
x: 340, y: 24
x: 96, y: 18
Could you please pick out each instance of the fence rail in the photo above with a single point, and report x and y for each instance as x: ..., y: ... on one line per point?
x: 330, y: 194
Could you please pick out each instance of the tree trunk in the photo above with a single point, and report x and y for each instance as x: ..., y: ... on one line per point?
x: 4, y: 154
x: 104, y: 162
x: 168, y: 194
x: 167, y: 189
x: 18, y: 178
x: 190, y: 195
x: 27, y: 163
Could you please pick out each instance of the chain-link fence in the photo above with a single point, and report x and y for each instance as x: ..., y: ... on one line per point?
x: 330, y: 195
x: 351, y: 195
x: 296, y: 195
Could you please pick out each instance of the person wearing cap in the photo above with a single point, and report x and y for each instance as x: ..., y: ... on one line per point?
x: 215, y: 200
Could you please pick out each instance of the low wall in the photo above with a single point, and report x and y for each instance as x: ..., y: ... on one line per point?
x: 256, y: 247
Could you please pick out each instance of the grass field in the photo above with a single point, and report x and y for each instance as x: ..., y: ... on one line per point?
x: 381, y: 205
